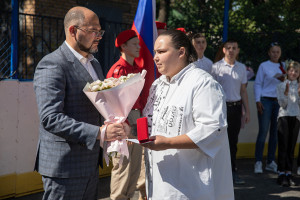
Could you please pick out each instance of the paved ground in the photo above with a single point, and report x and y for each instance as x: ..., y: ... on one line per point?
x: 257, y: 187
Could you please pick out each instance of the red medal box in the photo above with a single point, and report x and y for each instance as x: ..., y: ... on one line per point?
x: 142, y: 130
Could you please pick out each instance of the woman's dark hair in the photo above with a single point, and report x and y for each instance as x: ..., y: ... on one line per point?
x: 179, y: 39
x: 273, y: 44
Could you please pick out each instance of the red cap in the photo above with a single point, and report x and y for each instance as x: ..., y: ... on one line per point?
x: 181, y: 29
x: 124, y: 36
x: 161, y: 25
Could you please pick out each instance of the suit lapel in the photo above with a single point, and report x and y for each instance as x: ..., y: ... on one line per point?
x: 77, y: 66
x: 97, y: 67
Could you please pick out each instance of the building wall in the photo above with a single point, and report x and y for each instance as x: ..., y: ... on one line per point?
x: 58, y: 8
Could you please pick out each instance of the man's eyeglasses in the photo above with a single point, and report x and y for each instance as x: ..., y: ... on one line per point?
x: 96, y: 33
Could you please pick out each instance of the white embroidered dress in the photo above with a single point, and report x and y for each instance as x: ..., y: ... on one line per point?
x: 191, y: 103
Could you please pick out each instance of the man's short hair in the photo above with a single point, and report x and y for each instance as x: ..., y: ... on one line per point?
x: 231, y: 40
x: 197, y: 35
x: 74, y: 17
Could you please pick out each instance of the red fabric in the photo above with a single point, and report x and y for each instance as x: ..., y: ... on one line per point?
x: 145, y: 61
x: 124, y: 36
x: 122, y: 68
x: 181, y: 29
x: 160, y: 25
x: 282, y: 70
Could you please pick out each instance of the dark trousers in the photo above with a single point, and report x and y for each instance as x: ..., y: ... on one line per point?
x: 78, y: 188
x: 298, y: 160
x: 234, y: 115
x: 288, y: 129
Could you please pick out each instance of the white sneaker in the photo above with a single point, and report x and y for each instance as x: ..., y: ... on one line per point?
x: 272, y: 167
x: 298, y: 171
x: 258, y: 167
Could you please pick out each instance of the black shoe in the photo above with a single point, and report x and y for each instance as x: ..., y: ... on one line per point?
x: 236, y: 179
x: 290, y: 180
x: 282, y: 180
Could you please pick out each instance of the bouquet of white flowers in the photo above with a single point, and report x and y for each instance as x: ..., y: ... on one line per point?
x: 114, y: 98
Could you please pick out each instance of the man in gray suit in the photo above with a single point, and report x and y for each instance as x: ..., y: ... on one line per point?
x: 69, y: 152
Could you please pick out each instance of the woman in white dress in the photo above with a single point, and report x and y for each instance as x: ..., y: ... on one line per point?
x: 186, y: 111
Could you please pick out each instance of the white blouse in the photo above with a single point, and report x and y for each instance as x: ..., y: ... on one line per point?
x: 265, y: 82
x: 289, y: 105
x: 191, y: 103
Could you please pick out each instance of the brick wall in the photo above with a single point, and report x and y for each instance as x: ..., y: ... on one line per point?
x: 58, y: 8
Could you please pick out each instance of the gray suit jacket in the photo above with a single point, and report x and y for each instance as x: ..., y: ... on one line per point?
x: 69, y: 123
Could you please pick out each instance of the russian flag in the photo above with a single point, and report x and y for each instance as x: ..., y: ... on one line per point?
x: 145, y: 27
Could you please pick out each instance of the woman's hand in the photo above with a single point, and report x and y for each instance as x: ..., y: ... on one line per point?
x: 159, y: 143
x: 260, y: 107
x: 281, y: 78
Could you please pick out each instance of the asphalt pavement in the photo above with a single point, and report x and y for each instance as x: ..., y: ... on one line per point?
x: 257, y: 186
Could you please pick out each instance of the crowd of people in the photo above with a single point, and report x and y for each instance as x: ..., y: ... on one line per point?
x: 193, y: 150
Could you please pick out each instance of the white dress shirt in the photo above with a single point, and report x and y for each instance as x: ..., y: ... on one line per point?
x: 265, y: 83
x: 230, y: 77
x: 191, y: 103
x: 204, y: 63
x: 86, y: 62
x: 289, y: 105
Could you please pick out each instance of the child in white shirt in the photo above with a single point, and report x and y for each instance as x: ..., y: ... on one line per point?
x: 288, y: 93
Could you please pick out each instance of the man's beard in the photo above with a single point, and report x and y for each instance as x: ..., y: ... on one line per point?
x: 85, y: 49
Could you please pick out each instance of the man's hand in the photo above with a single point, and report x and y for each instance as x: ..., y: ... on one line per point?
x: 260, y: 107
x: 247, y: 117
x: 113, y: 132
x: 127, y: 128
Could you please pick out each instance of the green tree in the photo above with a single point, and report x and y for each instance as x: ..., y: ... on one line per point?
x: 254, y: 23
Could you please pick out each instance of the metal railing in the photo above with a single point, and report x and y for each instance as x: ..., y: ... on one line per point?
x: 5, y: 48
x: 39, y: 35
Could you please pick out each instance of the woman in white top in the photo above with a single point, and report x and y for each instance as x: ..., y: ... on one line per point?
x: 288, y: 123
x: 270, y: 73
x: 186, y: 111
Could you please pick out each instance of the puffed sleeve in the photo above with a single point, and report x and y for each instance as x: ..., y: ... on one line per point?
x: 209, y: 114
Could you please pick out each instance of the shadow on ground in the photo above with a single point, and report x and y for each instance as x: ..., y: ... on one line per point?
x: 257, y: 187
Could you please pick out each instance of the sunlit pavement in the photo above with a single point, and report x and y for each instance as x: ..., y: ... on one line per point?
x: 257, y: 186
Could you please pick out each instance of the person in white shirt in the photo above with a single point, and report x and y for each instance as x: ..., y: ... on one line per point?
x: 200, y: 44
x: 288, y: 123
x: 186, y: 111
x: 232, y: 75
x: 270, y: 73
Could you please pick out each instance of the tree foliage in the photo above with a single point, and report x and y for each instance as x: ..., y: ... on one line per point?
x: 254, y: 23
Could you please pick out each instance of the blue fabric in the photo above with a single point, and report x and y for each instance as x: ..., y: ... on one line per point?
x: 267, y: 120
x: 144, y: 22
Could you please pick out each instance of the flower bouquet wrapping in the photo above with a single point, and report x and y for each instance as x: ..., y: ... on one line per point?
x: 114, y: 99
